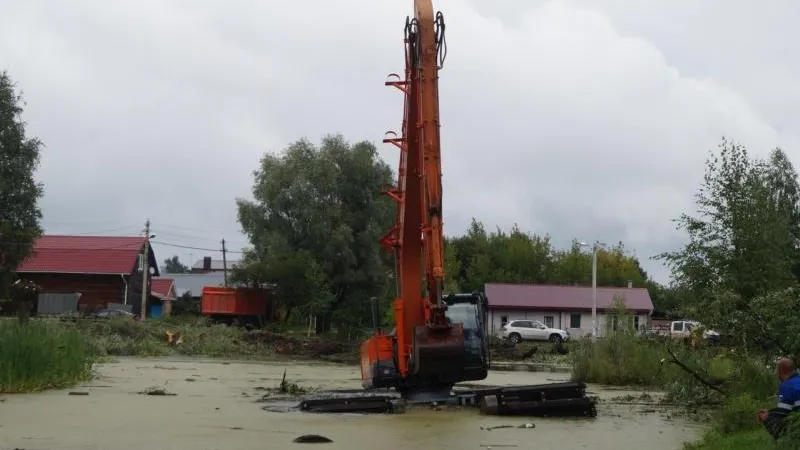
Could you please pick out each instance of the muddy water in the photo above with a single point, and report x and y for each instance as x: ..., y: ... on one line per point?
x: 215, y: 407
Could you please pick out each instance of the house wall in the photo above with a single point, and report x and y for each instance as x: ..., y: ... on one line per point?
x: 561, y: 319
x: 97, y: 291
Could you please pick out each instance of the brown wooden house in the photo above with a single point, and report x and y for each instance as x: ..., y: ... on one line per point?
x: 103, y: 269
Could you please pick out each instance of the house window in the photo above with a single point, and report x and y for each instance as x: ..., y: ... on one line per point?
x: 575, y: 320
x: 503, y: 320
x: 636, y: 323
x: 548, y: 321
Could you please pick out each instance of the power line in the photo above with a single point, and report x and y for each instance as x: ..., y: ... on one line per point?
x: 159, y: 231
x: 188, y: 247
x: 101, y: 231
x: 126, y: 246
x: 160, y: 225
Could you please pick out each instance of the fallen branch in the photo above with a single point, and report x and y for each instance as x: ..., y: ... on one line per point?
x: 691, y: 372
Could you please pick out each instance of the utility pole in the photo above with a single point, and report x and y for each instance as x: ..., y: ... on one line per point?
x: 224, y: 264
x: 596, y: 246
x: 145, y: 267
x: 594, y: 292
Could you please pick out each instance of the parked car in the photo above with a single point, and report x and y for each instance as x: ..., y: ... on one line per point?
x: 684, y: 328
x: 113, y: 313
x: 517, y: 331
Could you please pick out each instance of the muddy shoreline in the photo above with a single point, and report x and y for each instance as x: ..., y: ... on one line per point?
x: 216, y: 406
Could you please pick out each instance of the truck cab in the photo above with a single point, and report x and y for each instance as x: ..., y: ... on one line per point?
x: 685, y: 329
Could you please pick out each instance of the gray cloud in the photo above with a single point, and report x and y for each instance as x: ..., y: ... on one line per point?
x: 581, y: 119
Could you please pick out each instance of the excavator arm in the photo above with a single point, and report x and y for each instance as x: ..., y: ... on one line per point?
x: 438, y: 340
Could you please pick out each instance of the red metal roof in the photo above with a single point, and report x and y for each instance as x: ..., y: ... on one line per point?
x: 554, y: 297
x: 163, y: 288
x: 96, y: 255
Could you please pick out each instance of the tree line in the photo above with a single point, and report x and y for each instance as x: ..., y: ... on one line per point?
x: 316, y: 219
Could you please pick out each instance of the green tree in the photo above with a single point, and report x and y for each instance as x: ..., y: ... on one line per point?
x: 19, y: 192
x: 515, y: 257
x: 174, y: 265
x: 742, y: 240
x: 477, y: 258
x: 321, y: 206
x: 782, y: 183
x: 186, y: 305
x: 299, y: 284
x: 615, y: 267
x: 452, y: 267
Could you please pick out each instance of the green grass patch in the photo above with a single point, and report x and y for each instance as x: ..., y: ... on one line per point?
x: 42, y: 355
x: 746, y: 440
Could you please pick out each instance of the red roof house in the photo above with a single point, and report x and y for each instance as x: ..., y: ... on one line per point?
x: 103, y: 269
x: 565, y: 307
x: 163, y: 288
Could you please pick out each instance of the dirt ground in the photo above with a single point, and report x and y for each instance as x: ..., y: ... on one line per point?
x: 216, y: 406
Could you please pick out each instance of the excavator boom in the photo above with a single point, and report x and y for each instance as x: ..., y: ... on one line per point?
x: 438, y: 340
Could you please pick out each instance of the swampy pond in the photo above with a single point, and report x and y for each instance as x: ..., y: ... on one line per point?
x: 216, y: 406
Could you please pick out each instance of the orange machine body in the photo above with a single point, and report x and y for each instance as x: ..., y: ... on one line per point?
x: 426, y: 348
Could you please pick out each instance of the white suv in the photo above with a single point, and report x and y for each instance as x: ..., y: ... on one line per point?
x: 517, y: 331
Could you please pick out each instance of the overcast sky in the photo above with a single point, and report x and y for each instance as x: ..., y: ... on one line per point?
x: 582, y: 119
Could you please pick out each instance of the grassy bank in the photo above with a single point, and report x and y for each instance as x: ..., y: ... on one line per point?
x: 42, y: 355
x: 744, y: 440
x: 49, y: 353
x: 123, y: 337
x: 534, y: 352
x: 747, y: 384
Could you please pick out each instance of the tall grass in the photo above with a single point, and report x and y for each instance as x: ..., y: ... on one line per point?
x: 121, y: 337
x: 624, y: 358
x: 41, y: 355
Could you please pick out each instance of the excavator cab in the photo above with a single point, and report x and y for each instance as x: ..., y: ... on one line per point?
x: 471, y: 310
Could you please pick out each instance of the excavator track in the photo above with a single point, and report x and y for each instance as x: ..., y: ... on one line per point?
x: 566, y: 399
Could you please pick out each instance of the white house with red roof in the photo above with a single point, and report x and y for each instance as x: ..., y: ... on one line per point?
x: 103, y: 269
x: 564, y: 307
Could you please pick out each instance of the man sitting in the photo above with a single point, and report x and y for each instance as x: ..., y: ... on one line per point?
x: 788, y: 399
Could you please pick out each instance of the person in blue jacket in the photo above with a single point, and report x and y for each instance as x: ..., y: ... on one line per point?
x: 788, y: 399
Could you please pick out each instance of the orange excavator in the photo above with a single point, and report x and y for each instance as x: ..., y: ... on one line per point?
x: 438, y: 340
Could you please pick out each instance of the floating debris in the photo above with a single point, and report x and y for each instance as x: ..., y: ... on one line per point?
x: 77, y: 393
x: 311, y: 439
x: 496, y: 427
x: 156, y: 390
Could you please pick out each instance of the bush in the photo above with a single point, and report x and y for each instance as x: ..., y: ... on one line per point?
x: 41, y: 355
x: 619, y: 359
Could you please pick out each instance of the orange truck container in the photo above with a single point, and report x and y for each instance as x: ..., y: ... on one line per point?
x: 229, y: 303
